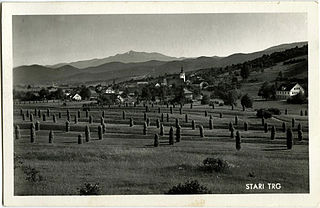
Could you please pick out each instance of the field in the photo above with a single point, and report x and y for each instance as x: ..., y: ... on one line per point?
x: 126, y: 162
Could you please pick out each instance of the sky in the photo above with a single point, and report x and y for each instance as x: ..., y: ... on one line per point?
x: 52, y: 39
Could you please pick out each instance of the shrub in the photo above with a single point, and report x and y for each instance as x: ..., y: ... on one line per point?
x: 299, y: 127
x: 230, y: 126
x: 300, y: 135
x: 265, y: 127
x: 289, y: 139
x: 273, y: 132
x: 180, y: 111
x: 178, y: 133
x: 131, y: 122
x: 245, y: 126
x: 301, y: 113
x: 262, y: 121
x: 232, y: 132
x: 67, y: 126
x: 205, y: 113
x: 186, y: 118
x: 79, y: 139
x: 159, y: 110
x: 177, y: 122
x: 104, y: 128
x: 274, y: 111
x: 156, y: 140
x: 32, y: 175
x: 298, y: 99
x: 221, y: 115
x: 191, y: 106
x: 215, y: 165
x: 286, y: 111
x: 189, y: 187
x: 123, y: 115
x: 87, y: 133
x: 201, y: 131
x: 51, y: 136
x: 292, y: 122
x: 283, y: 127
x: 90, y: 189
x: 32, y: 133
x: 75, y: 119
x: 263, y: 113
x: 193, y: 125
x: 100, y: 133
x: 23, y: 117
x: 236, y: 120
x: 17, y: 132
x: 171, y: 141
x: 145, y: 128
x: 59, y: 115
x: 161, y: 130
x: 37, y: 126
x: 210, y: 124
x: 238, y: 140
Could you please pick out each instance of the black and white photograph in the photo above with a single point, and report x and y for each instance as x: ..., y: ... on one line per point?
x: 160, y: 104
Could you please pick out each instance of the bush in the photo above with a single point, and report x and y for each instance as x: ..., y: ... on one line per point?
x: 32, y: 175
x: 274, y: 111
x: 89, y: 189
x: 215, y: 164
x: 298, y: 99
x: 263, y: 113
x: 189, y: 187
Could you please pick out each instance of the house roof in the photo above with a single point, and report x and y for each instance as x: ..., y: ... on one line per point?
x: 286, y: 87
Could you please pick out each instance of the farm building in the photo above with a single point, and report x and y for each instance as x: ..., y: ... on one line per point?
x: 288, y: 90
x: 188, y: 94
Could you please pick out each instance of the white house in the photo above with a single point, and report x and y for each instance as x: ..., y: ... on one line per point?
x: 76, y: 97
x: 182, y: 75
x: 289, y: 90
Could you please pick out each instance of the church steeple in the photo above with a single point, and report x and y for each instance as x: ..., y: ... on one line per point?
x: 182, y: 75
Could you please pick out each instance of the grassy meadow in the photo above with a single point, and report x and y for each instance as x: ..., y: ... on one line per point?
x: 126, y: 162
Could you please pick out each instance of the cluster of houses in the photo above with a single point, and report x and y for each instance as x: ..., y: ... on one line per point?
x: 127, y: 90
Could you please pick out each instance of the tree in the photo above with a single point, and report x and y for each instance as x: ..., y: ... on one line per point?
x: 146, y: 93
x: 85, y: 93
x: 246, y: 102
x: 245, y: 72
x: 44, y: 93
x: 58, y: 94
x: 267, y: 91
x: 232, y: 97
x: 205, y: 100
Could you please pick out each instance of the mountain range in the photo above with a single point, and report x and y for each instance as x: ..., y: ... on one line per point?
x: 129, y: 65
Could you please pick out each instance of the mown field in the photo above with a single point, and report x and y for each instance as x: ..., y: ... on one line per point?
x: 126, y: 162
